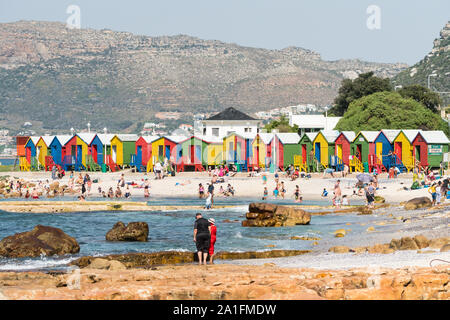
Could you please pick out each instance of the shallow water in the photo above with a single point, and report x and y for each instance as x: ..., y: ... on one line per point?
x: 170, y: 230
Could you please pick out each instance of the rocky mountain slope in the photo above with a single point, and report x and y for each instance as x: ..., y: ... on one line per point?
x: 436, y: 62
x: 59, y: 78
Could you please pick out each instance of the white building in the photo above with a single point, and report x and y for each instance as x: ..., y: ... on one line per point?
x: 313, y: 122
x: 228, y: 121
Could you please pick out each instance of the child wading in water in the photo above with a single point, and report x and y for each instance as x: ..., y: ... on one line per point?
x: 265, y: 194
x: 298, y: 197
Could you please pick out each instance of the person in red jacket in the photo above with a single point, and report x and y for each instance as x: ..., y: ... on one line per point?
x: 213, y: 232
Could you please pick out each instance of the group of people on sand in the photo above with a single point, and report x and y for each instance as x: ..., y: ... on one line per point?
x: 205, y: 234
x: 280, y: 189
x: 165, y: 169
x: 439, y: 190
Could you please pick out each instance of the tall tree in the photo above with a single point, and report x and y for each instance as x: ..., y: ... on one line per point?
x: 425, y: 96
x: 350, y: 90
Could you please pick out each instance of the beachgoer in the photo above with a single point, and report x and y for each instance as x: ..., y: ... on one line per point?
x: 264, y: 178
x: 127, y: 192
x: 297, y: 194
x: 337, y: 194
x: 370, y: 195
x: 276, y: 192
x: 53, y: 172
x: 265, y: 194
x: 118, y: 192
x: 146, y: 189
x: 201, y: 238
x: 211, y: 191
x: 213, y: 235
x: 324, y: 192
x: 282, y: 189
x: 208, y: 201
x: 432, y: 191
x: 34, y: 194
x: 345, y: 200
x: 201, y: 191
x: 110, y: 193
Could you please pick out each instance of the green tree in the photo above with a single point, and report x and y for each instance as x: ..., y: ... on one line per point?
x: 350, y: 90
x: 389, y: 110
x: 428, y: 98
x: 282, y: 125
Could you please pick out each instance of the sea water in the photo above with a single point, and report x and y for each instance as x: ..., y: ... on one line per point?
x: 169, y: 230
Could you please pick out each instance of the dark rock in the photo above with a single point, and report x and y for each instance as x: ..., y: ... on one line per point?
x: 270, y: 215
x: 417, y: 203
x: 41, y: 240
x: 134, y: 231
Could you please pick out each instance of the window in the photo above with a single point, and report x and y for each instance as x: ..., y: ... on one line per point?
x: 204, y: 131
x: 215, y: 132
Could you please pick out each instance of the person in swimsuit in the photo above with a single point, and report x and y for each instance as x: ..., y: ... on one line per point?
x: 201, y: 238
x: 201, y: 191
x: 213, y: 233
x: 298, y: 197
x: 265, y: 194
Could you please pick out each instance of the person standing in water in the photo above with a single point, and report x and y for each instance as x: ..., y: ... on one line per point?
x: 201, y: 238
x: 213, y: 233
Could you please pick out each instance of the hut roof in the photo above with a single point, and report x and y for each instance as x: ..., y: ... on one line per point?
x: 47, y: 139
x: 176, y: 139
x: 211, y: 139
x: 330, y: 136
x: 370, y: 136
x: 127, y: 137
x: 311, y: 135
x: 231, y: 114
x: 434, y: 137
x: 150, y: 139
x: 288, y: 137
x: 391, y: 134
x: 35, y: 139
x: 266, y: 137
x: 410, y: 134
x: 105, y: 139
x: 63, y: 139
x: 86, y: 137
x: 349, y: 135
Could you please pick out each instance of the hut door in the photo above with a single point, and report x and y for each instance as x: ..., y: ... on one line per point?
x: 79, y: 154
x: 114, y: 153
x: 304, y: 151
x: 339, y: 151
x: 167, y: 152
x: 160, y: 153
x: 192, y: 154
x: 73, y: 153
x: 417, y: 150
x: 139, y: 155
x: 317, y: 151
x: 359, y: 152
x: 94, y: 153
x: 398, y: 150
x: 379, y: 150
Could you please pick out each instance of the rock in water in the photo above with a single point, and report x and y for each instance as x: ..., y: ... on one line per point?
x: 417, y: 203
x: 271, y: 215
x: 134, y: 231
x: 41, y: 240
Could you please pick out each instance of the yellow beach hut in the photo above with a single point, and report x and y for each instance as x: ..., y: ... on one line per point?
x: 122, y: 147
x: 322, y: 144
x: 214, y: 150
x: 261, y: 149
x: 43, y: 149
x: 403, y: 147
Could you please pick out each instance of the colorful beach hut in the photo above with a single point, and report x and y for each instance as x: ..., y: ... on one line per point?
x: 323, y: 146
x: 75, y: 151
x: 261, y: 150
x: 403, y: 149
x: 57, y: 148
x: 214, y: 150
x: 30, y: 152
x: 429, y: 148
x: 43, y: 152
x: 307, y: 151
x: 237, y: 149
x: 21, y: 141
x: 342, y: 146
x: 122, y: 147
x: 384, y: 146
x: 144, y: 150
x: 192, y: 152
x: 362, y: 146
x: 287, y: 146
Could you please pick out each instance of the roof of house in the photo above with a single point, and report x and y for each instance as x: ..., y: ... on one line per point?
x: 176, y: 139
x: 47, y: 139
x: 231, y: 114
x: 288, y: 137
x: 86, y: 136
x: 410, y: 134
x: 63, y: 139
x: 266, y: 137
x: 330, y: 136
x: 35, y: 139
x: 370, y: 136
x: 127, y: 137
x: 105, y: 139
x: 390, y: 134
x: 211, y: 139
x: 150, y: 139
x: 435, y: 137
x: 311, y: 135
x: 349, y: 135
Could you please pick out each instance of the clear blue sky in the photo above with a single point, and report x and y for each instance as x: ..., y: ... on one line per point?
x: 334, y: 28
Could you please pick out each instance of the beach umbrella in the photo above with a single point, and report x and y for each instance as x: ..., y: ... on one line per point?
x: 365, y: 178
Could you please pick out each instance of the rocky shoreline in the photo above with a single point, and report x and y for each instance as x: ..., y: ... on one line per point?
x: 221, y: 282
